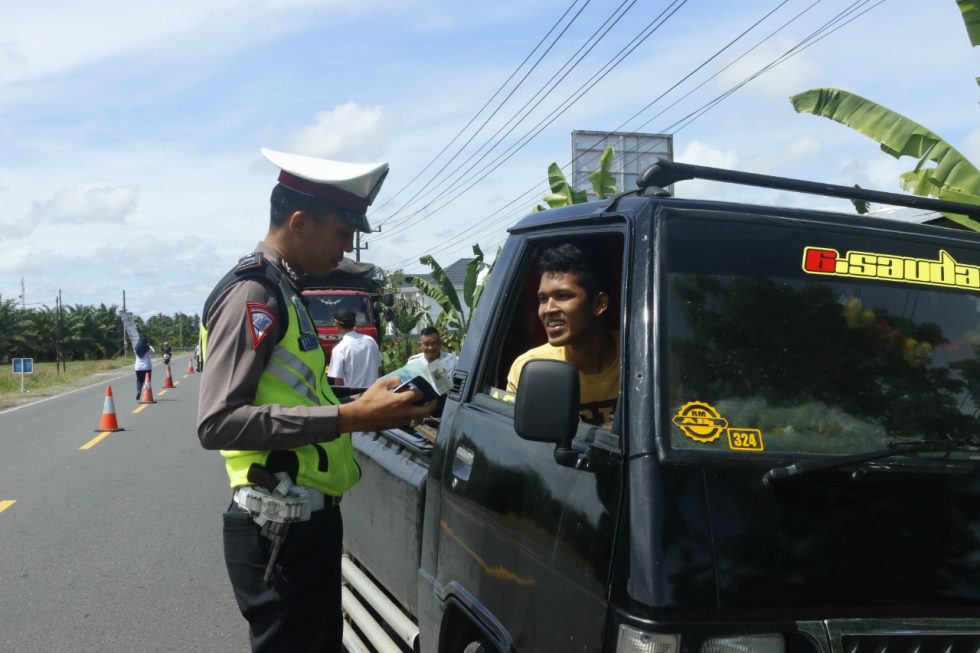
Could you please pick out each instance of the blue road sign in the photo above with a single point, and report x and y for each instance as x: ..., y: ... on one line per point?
x: 23, y: 365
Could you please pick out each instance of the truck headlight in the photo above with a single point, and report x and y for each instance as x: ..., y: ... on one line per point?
x: 745, y: 644
x: 632, y: 640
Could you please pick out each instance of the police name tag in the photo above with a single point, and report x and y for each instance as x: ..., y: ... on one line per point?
x: 308, y: 342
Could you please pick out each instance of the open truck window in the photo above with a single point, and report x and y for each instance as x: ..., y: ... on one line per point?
x: 788, y: 340
x: 522, y: 330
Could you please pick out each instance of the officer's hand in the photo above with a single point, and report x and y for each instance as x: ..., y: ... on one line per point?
x: 380, y: 408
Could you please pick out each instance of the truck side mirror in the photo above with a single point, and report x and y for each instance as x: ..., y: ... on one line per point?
x: 547, y: 403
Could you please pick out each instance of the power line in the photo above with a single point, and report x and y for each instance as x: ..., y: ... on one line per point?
x: 522, y: 113
x: 800, y: 47
x: 822, y: 32
x: 496, y: 93
x: 478, y: 176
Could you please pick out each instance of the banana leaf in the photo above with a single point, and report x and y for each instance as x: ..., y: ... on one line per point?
x: 472, y: 270
x: 899, y: 136
x: 442, y: 291
x: 560, y: 186
x: 971, y: 18
x: 603, y: 182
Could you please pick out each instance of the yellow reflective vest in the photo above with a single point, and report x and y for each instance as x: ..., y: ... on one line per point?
x: 295, y: 377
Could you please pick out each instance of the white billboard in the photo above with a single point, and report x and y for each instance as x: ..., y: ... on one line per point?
x: 634, y: 153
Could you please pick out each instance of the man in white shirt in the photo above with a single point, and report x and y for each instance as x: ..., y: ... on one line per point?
x: 430, y: 344
x: 356, y: 360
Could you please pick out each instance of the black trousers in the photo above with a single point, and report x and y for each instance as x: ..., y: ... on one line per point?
x: 140, y: 380
x: 299, y: 610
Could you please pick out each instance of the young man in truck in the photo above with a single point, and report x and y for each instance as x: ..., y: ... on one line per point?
x: 572, y: 302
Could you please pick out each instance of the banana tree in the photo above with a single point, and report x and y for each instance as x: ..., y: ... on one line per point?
x: 562, y: 193
x: 454, y: 320
x: 941, y: 171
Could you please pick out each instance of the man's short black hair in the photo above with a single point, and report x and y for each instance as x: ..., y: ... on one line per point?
x: 286, y: 201
x: 570, y: 258
x: 429, y: 331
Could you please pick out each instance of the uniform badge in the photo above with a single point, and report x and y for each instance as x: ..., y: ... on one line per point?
x: 307, y: 343
x: 261, y: 319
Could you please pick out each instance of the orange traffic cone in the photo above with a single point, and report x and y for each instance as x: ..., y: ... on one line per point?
x: 169, y: 381
x: 108, y: 421
x: 190, y: 365
x: 147, y: 397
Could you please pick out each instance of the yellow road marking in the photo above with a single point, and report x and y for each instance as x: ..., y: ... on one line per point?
x: 94, y: 441
x: 139, y: 408
x: 162, y: 392
x: 6, y: 504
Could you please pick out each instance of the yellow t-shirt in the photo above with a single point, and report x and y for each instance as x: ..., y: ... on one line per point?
x: 598, y: 392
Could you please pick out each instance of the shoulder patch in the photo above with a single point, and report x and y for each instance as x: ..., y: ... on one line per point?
x: 261, y: 320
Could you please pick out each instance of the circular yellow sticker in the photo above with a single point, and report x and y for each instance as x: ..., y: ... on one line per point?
x: 700, y: 421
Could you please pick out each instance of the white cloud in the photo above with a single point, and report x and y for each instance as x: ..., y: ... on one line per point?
x: 16, y: 258
x: 702, y: 154
x: 346, y: 132
x: 971, y: 147
x: 89, y: 202
x: 785, y: 155
x: 790, y: 76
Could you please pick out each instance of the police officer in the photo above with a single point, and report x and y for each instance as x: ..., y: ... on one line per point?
x: 266, y: 404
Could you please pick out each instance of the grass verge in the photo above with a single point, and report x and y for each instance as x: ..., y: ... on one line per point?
x: 49, y: 378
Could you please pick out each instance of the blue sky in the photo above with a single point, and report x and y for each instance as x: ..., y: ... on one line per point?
x: 131, y: 129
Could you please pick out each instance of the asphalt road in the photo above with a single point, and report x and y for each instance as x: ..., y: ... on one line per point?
x: 115, y: 547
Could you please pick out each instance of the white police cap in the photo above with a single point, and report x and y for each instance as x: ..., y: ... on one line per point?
x: 350, y: 187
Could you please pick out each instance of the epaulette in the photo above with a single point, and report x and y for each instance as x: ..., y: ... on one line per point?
x: 253, y: 261
x: 253, y: 266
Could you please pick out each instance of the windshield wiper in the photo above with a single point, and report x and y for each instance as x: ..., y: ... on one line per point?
x: 778, y: 475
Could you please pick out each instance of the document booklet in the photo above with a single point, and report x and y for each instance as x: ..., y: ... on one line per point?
x: 430, y: 378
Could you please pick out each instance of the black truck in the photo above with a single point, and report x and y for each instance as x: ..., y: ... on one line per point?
x: 792, y: 466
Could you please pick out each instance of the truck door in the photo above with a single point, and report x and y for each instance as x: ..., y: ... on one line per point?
x: 525, y: 541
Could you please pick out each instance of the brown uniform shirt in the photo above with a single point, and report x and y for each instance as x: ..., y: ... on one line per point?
x: 226, y: 417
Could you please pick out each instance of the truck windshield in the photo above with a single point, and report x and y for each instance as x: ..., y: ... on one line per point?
x: 783, y: 339
x: 323, y: 307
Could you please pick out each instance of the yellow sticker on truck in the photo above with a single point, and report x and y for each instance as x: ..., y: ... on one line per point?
x: 942, y: 271
x: 700, y: 421
x: 745, y: 439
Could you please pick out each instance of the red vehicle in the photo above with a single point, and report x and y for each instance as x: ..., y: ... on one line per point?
x: 352, y: 285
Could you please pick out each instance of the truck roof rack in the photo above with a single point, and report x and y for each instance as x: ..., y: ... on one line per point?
x: 665, y: 172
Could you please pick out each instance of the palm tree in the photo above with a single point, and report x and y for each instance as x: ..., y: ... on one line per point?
x: 12, y: 326
x: 941, y: 171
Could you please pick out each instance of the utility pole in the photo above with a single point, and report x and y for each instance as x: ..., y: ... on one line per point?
x: 124, y: 327
x: 61, y: 303
x: 57, y: 334
x: 23, y: 295
x: 358, y: 246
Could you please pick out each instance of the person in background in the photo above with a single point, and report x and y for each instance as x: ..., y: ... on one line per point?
x: 572, y: 302
x: 265, y: 403
x: 430, y: 349
x: 430, y: 346
x: 168, y: 352
x: 356, y: 360
x: 144, y: 364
